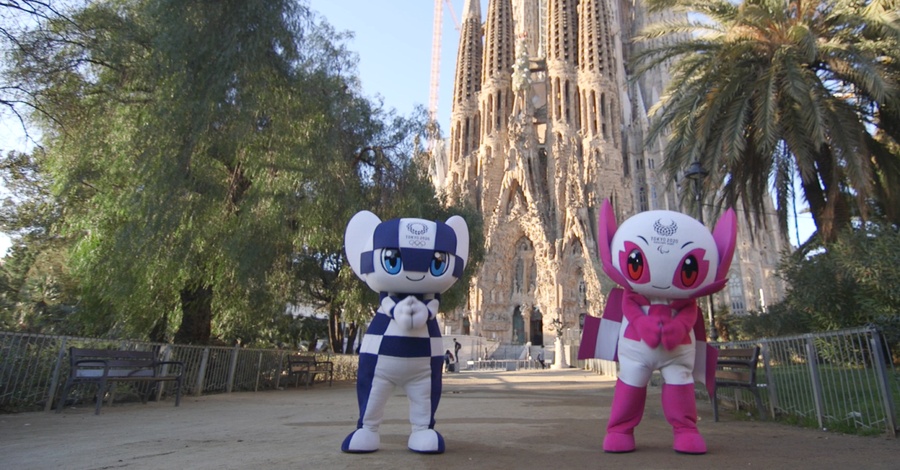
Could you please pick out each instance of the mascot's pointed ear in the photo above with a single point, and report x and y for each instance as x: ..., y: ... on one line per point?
x: 358, y: 238
x: 459, y: 226
x: 606, y: 228
x: 725, y: 235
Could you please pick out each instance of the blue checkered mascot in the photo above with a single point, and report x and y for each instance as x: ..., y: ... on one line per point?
x: 409, y: 262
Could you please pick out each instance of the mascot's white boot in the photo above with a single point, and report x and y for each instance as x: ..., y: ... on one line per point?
x: 426, y: 441
x: 361, y: 441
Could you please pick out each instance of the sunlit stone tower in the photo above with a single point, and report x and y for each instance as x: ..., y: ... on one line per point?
x: 545, y: 124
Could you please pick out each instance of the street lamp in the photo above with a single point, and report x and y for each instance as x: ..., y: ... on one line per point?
x: 697, y: 174
x: 559, y: 360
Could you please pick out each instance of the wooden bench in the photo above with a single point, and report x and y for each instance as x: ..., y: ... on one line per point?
x: 306, y: 366
x: 103, y: 367
x: 736, y: 368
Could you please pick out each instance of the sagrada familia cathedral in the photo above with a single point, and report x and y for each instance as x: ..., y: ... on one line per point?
x: 547, y: 122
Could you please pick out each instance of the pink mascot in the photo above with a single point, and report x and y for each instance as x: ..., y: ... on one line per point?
x: 664, y: 261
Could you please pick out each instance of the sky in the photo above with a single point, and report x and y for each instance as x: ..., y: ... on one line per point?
x: 393, y: 41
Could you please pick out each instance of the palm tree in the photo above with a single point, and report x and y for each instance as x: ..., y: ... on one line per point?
x: 762, y: 90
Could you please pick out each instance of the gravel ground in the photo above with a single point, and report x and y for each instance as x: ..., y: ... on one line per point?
x: 551, y: 419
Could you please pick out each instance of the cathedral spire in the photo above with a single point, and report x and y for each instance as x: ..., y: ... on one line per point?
x: 499, y: 41
x: 464, y: 118
x: 562, y: 56
x: 595, y: 37
x: 469, y: 56
x: 563, y: 29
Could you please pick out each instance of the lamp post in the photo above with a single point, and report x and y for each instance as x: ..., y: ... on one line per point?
x: 697, y: 174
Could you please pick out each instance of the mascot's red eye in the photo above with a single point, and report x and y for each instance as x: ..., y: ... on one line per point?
x: 635, y: 265
x: 690, y: 271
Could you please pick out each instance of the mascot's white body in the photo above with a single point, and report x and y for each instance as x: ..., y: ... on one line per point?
x: 409, y: 262
x: 663, y: 260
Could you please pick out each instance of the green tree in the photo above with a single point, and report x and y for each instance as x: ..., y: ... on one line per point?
x: 206, y: 161
x: 765, y: 89
x: 854, y: 283
x: 195, y: 149
x: 37, y: 292
x: 857, y: 281
x: 391, y: 185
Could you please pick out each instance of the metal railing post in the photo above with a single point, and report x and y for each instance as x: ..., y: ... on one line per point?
x: 258, y: 372
x: 883, y: 382
x: 771, y: 388
x: 166, y: 356
x: 54, y: 381
x: 201, y: 374
x: 816, y: 380
x: 280, y: 369
x: 229, y: 385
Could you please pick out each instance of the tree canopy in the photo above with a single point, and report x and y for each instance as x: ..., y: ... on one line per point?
x: 762, y: 90
x: 205, y: 159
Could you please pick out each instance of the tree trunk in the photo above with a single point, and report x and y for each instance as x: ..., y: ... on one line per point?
x: 196, y: 315
x: 352, y: 331
x: 827, y: 202
x: 158, y: 332
x: 335, y: 331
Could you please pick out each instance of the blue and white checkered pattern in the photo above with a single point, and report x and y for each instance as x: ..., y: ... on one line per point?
x: 385, y: 337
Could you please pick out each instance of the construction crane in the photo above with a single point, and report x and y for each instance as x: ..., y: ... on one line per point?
x: 436, y: 53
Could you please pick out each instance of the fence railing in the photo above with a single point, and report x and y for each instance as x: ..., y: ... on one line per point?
x: 33, y: 368
x: 842, y: 380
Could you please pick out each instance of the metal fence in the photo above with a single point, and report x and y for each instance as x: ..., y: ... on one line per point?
x: 840, y: 380
x: 33, y: 368
x: 843, y: 380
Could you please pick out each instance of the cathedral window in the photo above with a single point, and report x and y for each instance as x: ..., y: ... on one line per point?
x: 582, y: 294
x: 499, y: 111
x: 465, y: 150
x: 736, y: 292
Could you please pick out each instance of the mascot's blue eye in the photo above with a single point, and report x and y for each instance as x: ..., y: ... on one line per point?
x: 391, y: 261
x: 439, y: 263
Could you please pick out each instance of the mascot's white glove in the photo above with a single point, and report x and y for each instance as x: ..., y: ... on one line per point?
x: 410, y: 313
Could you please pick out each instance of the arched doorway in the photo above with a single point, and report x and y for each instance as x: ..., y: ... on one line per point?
x: 518, y: 327
x: 467, y: 327
x: 537, y: 327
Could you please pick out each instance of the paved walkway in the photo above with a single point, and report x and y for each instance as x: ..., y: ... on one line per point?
x: 492, y: 420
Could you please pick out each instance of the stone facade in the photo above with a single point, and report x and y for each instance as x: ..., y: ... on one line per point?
x: 545, y: 124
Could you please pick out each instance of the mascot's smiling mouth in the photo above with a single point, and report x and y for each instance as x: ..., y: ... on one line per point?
x: 416, y: 280
x: 655, y: 287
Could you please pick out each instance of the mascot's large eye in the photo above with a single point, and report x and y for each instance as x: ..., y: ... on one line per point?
x: 690, y: 271
x: 439, y: 263
x: 635, y: 265
x: 390, y: 259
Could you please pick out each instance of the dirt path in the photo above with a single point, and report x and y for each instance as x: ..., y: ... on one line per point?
x: 499, y: 420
